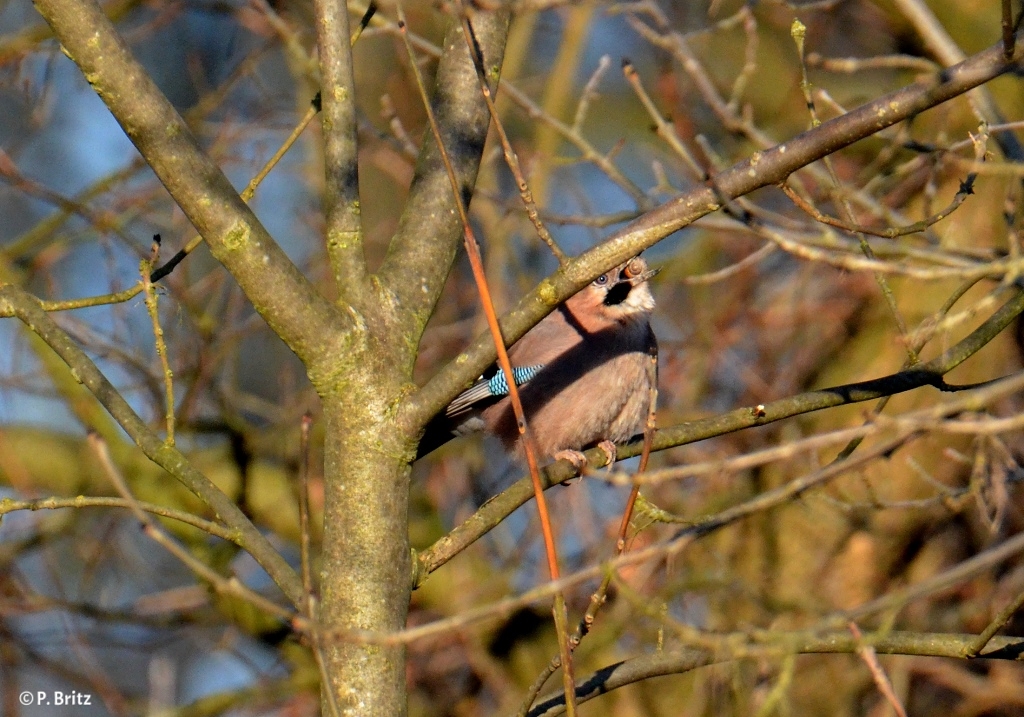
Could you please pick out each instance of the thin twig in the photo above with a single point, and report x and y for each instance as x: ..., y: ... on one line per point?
x: 997, y: 623
x: 665, y: 129
x: 311, y: 604
x: 120, y: 297
x: 510, y: 155
x: 218, y: 530
x: 473, y: 250
x: 599, y: 596
x: 226, y: 586
x: 302, y: 494
x: 28, y: 309
x: 870, y: 657
x: 145, y: 267
x: 798, y: 32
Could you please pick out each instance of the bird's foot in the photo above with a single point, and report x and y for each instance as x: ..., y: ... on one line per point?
x: 610, y: 451
x: 578, y: 460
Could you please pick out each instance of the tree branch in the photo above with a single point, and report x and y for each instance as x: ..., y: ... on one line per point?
x: 277, y: 289
x: 338, y: 118
x: 761, y: 169
x: 675, y: 662
x: 928, y: 374
x: 429, y: 233
x: 26, y: 307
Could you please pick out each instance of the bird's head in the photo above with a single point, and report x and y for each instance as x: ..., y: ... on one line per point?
x: 618, y: 296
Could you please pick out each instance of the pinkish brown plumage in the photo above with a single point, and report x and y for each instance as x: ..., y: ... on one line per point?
x: 591, y: 383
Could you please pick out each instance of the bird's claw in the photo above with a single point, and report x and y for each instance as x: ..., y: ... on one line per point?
x: 578, y: 460
x: 610, y: 451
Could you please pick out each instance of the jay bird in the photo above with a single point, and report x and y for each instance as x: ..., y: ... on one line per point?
x: 582, y: 374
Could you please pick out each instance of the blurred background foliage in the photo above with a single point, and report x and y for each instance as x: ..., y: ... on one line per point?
x: 88, y: 603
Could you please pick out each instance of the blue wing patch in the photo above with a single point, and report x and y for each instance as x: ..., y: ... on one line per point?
x: 489, y: 388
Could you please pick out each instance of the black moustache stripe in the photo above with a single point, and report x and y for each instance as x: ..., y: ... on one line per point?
x: 618, y: 293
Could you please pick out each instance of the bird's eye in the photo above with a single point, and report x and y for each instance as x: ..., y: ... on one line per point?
x: 601, y: 280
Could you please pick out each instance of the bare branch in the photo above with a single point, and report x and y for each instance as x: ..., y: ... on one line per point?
x: 28, y: 310
x: 290, y: 305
